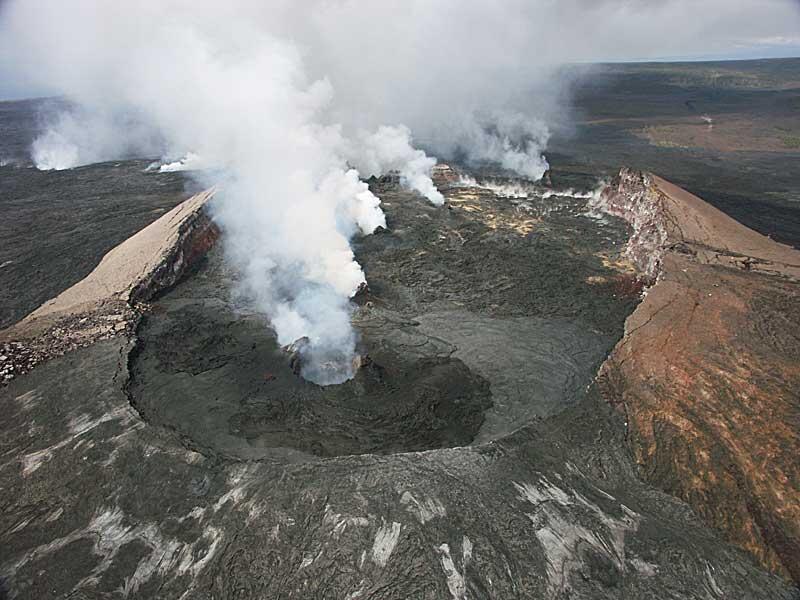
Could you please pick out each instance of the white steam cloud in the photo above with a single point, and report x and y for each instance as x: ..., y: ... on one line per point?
x: 81, y: 136
x: 390, y: 149
x: 288, y: 105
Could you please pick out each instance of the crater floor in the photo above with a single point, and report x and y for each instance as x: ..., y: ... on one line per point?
x: 469, y: 328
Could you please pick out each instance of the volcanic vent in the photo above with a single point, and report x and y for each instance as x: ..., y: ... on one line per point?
x: 218, y: 377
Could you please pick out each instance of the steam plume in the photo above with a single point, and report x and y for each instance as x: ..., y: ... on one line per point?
x: 286, y: 104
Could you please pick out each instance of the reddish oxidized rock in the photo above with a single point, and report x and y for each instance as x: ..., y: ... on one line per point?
x: 708, y: 372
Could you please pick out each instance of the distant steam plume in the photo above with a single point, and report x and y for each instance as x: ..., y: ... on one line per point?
x: 287, y: 104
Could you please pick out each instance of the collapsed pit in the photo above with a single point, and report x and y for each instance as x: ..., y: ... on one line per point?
x: 218, y: 377
x: 480, y: 317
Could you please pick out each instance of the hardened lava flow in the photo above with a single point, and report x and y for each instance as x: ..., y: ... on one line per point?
x: 470, y: 456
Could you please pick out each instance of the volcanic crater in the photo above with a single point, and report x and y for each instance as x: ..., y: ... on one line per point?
x: 464, y: 318
x: 481, y: 334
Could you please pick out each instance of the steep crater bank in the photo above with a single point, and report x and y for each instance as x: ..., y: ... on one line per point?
x: 109, y: 301
x: 708, y: 373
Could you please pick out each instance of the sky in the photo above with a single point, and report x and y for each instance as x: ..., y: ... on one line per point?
x: 733, y: 30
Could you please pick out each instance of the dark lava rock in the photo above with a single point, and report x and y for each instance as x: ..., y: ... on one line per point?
x: 57, y: 225
x: 192, y: 463
x: 99, y: 503
x: 458, y: 301
x: 223, y: 381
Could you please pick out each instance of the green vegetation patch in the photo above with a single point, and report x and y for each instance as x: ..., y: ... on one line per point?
x: 791, y: 141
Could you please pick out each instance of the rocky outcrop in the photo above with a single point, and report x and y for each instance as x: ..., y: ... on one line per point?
x: 666, y: 218
x: 107, y: 302
x: 708, y: 371
x: 444, y: 175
